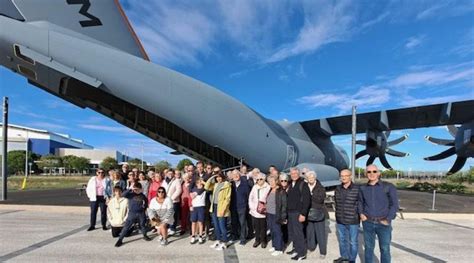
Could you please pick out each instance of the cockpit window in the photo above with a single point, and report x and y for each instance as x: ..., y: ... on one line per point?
x: 8, y: 9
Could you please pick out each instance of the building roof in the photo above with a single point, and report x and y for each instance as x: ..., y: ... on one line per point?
x: 63, y: 136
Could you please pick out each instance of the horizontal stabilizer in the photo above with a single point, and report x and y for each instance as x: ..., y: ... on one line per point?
x: 102, y: 20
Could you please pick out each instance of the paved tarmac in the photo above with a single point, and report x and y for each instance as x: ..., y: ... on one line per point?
x: 57, y: 234
x: 411, y: 201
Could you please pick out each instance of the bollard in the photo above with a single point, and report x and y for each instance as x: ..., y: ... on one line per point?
x: 434, y: 201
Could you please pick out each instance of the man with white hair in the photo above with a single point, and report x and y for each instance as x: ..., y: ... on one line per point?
x: 347, y: 217
x: 299, y: 201
x: 378, y: 205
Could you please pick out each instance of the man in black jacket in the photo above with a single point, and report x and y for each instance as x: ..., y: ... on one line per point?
x: 299, y: 201
x: 347, y: 217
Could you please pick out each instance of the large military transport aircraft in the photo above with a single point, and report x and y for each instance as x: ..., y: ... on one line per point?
x: 86, y: 52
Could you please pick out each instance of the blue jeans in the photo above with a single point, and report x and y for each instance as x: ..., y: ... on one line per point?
x: 220, y: 225
x: 348, y: 241
x: 384, y: 234
x: 275, y: 230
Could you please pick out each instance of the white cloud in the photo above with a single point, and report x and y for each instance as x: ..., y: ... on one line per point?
x: 106, y: 128
x: 47, y: 126
x: 364, y: 98
x: 323, y: 24
x: 434, y: 77
x: 414, y: 42
x: 173, y: 33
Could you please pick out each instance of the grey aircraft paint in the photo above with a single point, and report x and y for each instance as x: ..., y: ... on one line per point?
x: 92, y: 43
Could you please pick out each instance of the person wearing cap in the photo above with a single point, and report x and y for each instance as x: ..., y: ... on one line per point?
x: 117, y: 211
x: 137, y: 204
x: 378, y: 206
x: 99, y: 191
x: 161, y: 213
x: 220, y: 206
x: 258, y: 197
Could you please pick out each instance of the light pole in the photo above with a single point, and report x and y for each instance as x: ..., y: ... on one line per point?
x: 142, y: 154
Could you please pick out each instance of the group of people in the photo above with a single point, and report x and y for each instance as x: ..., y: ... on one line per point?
x: 239, y: 206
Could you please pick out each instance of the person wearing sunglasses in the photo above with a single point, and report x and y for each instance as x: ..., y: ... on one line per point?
x: 161, y: 214
x: 378, y: 205
x: 257, y: 202
x: 137, y: 204
x: 220, y: 207
x: 98, y: 191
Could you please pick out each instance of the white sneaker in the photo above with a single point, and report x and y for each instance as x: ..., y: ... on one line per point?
x: 271, y: 249
x: 193, y: 240
x: 160, y: 237
x: 322, y: 256
x: 200, y: 240
x: 221, y: 247
x: 164, y: 242
x: 215, y: 245
x: 277, y: 253
x: 171, y: 232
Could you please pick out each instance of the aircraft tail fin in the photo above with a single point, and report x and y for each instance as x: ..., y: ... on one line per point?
x: 102, y: 20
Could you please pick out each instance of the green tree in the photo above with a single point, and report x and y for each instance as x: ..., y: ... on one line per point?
x: 16, y: 162
x: 136, y: 163
x: 80, y: 164
x: 50, y: 161
x: 183, y: 163
x: 109, y: 163
x: 67, y: 162
x: 161, y: 166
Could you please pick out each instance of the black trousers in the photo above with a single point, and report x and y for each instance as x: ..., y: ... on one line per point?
x: 116, y: 231
x: 132, y: 219
x: 296, y: 233
x: 260, y: 225
x: 239, y: 224
x: 99, y: 203
x: 177, y: 212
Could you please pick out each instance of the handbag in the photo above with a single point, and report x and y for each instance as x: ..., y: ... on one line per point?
x: 316, y: 214
x: 262, y: 206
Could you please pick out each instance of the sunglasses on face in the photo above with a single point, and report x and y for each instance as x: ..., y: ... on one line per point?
x: 370, y: 172
x: 161, y: 192
x: 260, y: 179
x: 284, y: 181
x: 100, y: 172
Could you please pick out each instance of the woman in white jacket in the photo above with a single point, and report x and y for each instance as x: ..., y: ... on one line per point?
x: 117, y: 211
x: 174, y: 192
x: 99, y: 191
x: 258, y: 195
x: 161, y: 213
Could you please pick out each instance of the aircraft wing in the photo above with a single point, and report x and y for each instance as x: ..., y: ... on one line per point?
x: 406, y: 118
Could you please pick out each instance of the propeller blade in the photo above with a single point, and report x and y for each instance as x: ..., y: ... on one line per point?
x: 397, y: 141
x: 453, y: 130
x: 458, y: 164
x: 387, y: 133
x: 442, y: 155
x: 396, y: 153
x: 361, y: 153
x: 370, y: 160
x: 440, y: 141
x: 360, y: 142
x: 384, y: 162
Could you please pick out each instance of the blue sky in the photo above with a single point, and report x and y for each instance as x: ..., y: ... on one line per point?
x: 294, y: 60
